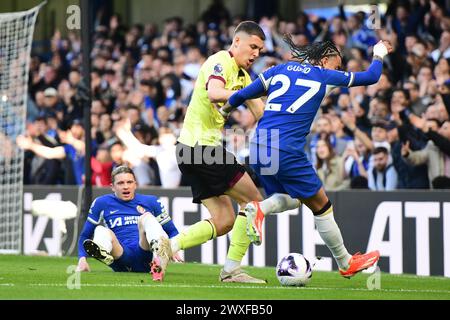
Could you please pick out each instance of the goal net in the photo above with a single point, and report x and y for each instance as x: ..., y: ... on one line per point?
x: 16, y: 35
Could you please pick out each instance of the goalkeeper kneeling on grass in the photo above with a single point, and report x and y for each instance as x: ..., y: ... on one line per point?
x: 138, y: 230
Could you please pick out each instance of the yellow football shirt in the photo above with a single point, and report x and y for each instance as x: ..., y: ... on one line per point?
x: 203, y: 124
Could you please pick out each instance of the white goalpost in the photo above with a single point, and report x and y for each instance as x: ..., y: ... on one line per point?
x: 16, y: 35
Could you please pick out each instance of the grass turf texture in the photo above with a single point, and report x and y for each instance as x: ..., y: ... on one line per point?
x: 24, y: 277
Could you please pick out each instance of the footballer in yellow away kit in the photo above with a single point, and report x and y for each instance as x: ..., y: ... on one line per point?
x: 214, y: 174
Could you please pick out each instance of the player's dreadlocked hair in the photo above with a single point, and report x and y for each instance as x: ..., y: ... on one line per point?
x: 314, y: 52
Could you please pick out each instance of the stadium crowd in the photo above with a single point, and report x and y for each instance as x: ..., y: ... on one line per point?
x: 394, y: 134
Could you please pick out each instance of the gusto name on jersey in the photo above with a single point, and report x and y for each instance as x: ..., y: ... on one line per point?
x: 303, y: 69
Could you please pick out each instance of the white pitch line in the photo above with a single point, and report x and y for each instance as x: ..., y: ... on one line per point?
x: 403, y: 276
x: 407, y: 275
x: 130, y: 285
x: 7, y: 284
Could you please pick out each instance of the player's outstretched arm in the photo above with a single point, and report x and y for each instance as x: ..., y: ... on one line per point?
x: 83, y: 265
x: 255, y: 90
x: 365, y: 78
x: 373, y: 74
x: 86, y: 233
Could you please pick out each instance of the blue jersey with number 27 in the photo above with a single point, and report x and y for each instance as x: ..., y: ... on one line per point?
x: 295, y: 92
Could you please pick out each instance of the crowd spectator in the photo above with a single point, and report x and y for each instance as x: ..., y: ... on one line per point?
x: 436, y: 153
x: 356, y: 164
x: 383, y: 176
x: 324, y: 131
x: 330, y: 166
x: 72, y: 150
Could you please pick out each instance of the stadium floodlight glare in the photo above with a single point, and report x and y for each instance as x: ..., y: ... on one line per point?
x: 16, y: 36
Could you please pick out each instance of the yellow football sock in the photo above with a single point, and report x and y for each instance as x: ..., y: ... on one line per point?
x: 239, y: 239
x: 196, y: 234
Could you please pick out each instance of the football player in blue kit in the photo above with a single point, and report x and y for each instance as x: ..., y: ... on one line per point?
x: 138, y: 228
x: 295, y: 91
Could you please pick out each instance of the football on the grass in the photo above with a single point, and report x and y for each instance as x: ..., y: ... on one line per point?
x: 294, y: 270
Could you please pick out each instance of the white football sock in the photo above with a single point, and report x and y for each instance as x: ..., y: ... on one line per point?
x: 153, y: 230
x: 331, y: 235
x: 103, y: 238
x: 231, y: 265
x: 278, y: 202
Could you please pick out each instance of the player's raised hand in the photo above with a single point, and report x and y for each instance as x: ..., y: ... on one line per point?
x: 83, y: 265
x: 382, y: 48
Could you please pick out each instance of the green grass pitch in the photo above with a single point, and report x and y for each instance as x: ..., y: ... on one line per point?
x: 25, y: 277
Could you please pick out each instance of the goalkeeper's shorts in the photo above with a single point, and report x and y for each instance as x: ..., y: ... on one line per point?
x: 133, y: 259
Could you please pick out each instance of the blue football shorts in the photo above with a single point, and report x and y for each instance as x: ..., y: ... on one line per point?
x: 134, y: 259
x: 286, y: 172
